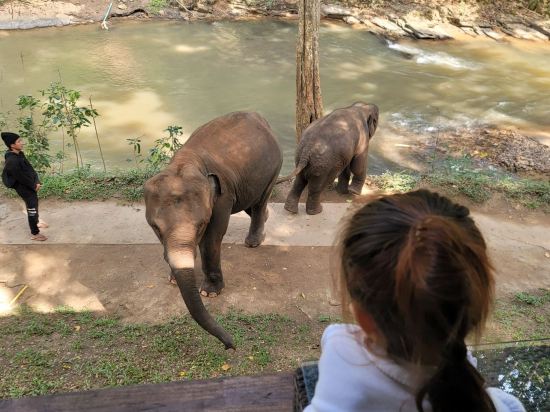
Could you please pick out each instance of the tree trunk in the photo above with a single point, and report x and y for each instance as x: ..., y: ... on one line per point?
x: 309, y: 103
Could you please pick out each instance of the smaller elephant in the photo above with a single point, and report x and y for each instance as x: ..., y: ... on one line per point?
x: 334, y: 145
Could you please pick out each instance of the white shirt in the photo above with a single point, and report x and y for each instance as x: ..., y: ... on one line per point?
x: 352, y: 378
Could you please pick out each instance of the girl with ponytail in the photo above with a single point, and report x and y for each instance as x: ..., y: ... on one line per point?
x: 416, y: 278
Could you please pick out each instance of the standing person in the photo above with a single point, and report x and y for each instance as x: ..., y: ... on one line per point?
x: 21, y: 176
x: 416, y: 278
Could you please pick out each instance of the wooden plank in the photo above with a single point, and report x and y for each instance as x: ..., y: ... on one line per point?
x: 243, y: 393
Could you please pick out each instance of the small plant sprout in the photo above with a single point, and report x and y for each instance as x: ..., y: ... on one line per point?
x: 136, y: 146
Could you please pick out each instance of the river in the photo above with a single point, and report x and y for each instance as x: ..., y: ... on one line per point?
x: 145, y: 76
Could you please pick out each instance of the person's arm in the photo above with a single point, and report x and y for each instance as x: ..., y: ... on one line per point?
x: 30, y: 170
x: 36, y: 178
x: 38, y: 183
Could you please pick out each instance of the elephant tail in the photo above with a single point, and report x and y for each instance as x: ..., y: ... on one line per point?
x: 298, y: 169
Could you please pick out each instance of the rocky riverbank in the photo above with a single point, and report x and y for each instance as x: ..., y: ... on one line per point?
x: 424, y: 19
x: 491, y: 147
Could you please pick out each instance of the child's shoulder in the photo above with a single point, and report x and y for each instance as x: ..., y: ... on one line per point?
x: 342, y: 330
x: 343, y: 335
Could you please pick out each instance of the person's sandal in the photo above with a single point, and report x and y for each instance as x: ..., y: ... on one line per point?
x: 43, y: 225
x: 40, y: 237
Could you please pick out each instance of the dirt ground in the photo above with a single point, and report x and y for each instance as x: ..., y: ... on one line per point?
x: 130, y: 280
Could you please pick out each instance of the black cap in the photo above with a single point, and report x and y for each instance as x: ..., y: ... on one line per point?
x: 9, y: 138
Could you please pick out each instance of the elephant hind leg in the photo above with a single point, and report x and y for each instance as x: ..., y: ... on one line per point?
x: 343, y: 181
x: 358, y: 167
x: 256, y: 234
x: 315, y: 188
x: 249, y: 213
x: 293, y: 197
x: 258, y: 217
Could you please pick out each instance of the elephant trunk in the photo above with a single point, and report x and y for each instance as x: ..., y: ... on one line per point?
x: 186, y: 283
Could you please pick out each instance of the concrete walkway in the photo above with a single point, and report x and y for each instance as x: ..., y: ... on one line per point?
x: 110, y: 223
x: 105, y: 223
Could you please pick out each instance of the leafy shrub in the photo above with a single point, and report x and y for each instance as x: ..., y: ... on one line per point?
x: 164, y: 148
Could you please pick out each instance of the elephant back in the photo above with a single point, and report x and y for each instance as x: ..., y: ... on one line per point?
x: 237, y: 146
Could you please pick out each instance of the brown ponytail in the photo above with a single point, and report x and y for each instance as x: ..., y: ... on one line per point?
x: 417, y: 263
x: 456, y: 386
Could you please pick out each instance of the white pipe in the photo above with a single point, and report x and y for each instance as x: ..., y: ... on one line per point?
x: 104, y: 22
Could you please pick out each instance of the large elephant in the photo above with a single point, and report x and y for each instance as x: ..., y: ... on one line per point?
x: 227, y: 165
x: 334, y: 145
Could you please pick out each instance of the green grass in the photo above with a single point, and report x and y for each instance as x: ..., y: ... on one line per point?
x: 460, y: 176
x: 157, y: 5
x: 538, y: 299
x: 68, y: 350
x: 85, y: 184
x: 396, y: 182
x: 524, y: 315
x: 456, y: 176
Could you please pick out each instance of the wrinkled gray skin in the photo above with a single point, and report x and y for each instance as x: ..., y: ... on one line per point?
x: 228, y: 165
x: 334, y: 145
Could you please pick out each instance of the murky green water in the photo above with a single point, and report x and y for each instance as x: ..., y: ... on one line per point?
x: 145, y: 76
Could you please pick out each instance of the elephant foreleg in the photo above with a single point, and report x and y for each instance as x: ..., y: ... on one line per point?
x: 343, y: 181
x: 210, y: 248
x: 358, y: 167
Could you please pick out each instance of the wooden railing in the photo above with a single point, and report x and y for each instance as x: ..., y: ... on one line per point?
x: 239, y: 394
x: 520, y: 370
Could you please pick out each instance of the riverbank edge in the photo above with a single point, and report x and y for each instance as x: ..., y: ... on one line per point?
x: 393, y: 23
x: 461, y: 178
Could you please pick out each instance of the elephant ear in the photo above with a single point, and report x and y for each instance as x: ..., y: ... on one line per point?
x: 215, y: 184
x: 372, y: 123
